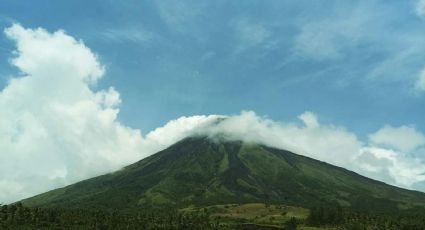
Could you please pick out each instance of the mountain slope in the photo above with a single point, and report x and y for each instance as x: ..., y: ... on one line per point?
x: 200, y: 171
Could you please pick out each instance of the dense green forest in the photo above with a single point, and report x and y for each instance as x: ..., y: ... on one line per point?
x: 347, y: 219
x: 17, y: 216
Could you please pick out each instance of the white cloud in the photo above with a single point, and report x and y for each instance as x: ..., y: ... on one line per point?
x: 176, y: 130
x: 403, y: 138
x: 309, y: 119
x: 390, y: 166
x: 420, y: 8
x: 55, y: 130
x: 328, y: 143
x: 43, y: 54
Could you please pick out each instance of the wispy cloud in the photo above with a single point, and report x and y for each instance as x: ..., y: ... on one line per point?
x: 420, y: 81
x: 134, y: 34
x: 180, y: 15
x: 420, y: 8
x: 331, y: 36
x: 250, y: 34
x: 356, y: 33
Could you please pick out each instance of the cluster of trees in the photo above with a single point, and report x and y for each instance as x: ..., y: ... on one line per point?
x: 350, y: 220
x: 326, y: 216
x: 18, y: 217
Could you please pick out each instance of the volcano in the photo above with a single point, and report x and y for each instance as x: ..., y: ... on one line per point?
x: 202, y: 171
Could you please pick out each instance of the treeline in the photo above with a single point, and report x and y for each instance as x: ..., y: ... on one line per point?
x: 19, y: 217
x: 350, y: 220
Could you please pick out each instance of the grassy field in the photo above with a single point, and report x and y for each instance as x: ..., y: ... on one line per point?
x: 256, y: 213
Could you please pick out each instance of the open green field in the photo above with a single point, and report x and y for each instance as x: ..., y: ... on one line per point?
x: 260, y: 214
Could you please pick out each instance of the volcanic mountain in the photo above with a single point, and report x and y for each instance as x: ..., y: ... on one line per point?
x: 201, y: 171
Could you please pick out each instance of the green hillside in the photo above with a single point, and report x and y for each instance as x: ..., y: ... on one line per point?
x: 199, y: 172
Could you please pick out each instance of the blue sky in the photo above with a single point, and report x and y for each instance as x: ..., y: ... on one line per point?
x: 354, y: 62
x: 340, y: 81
